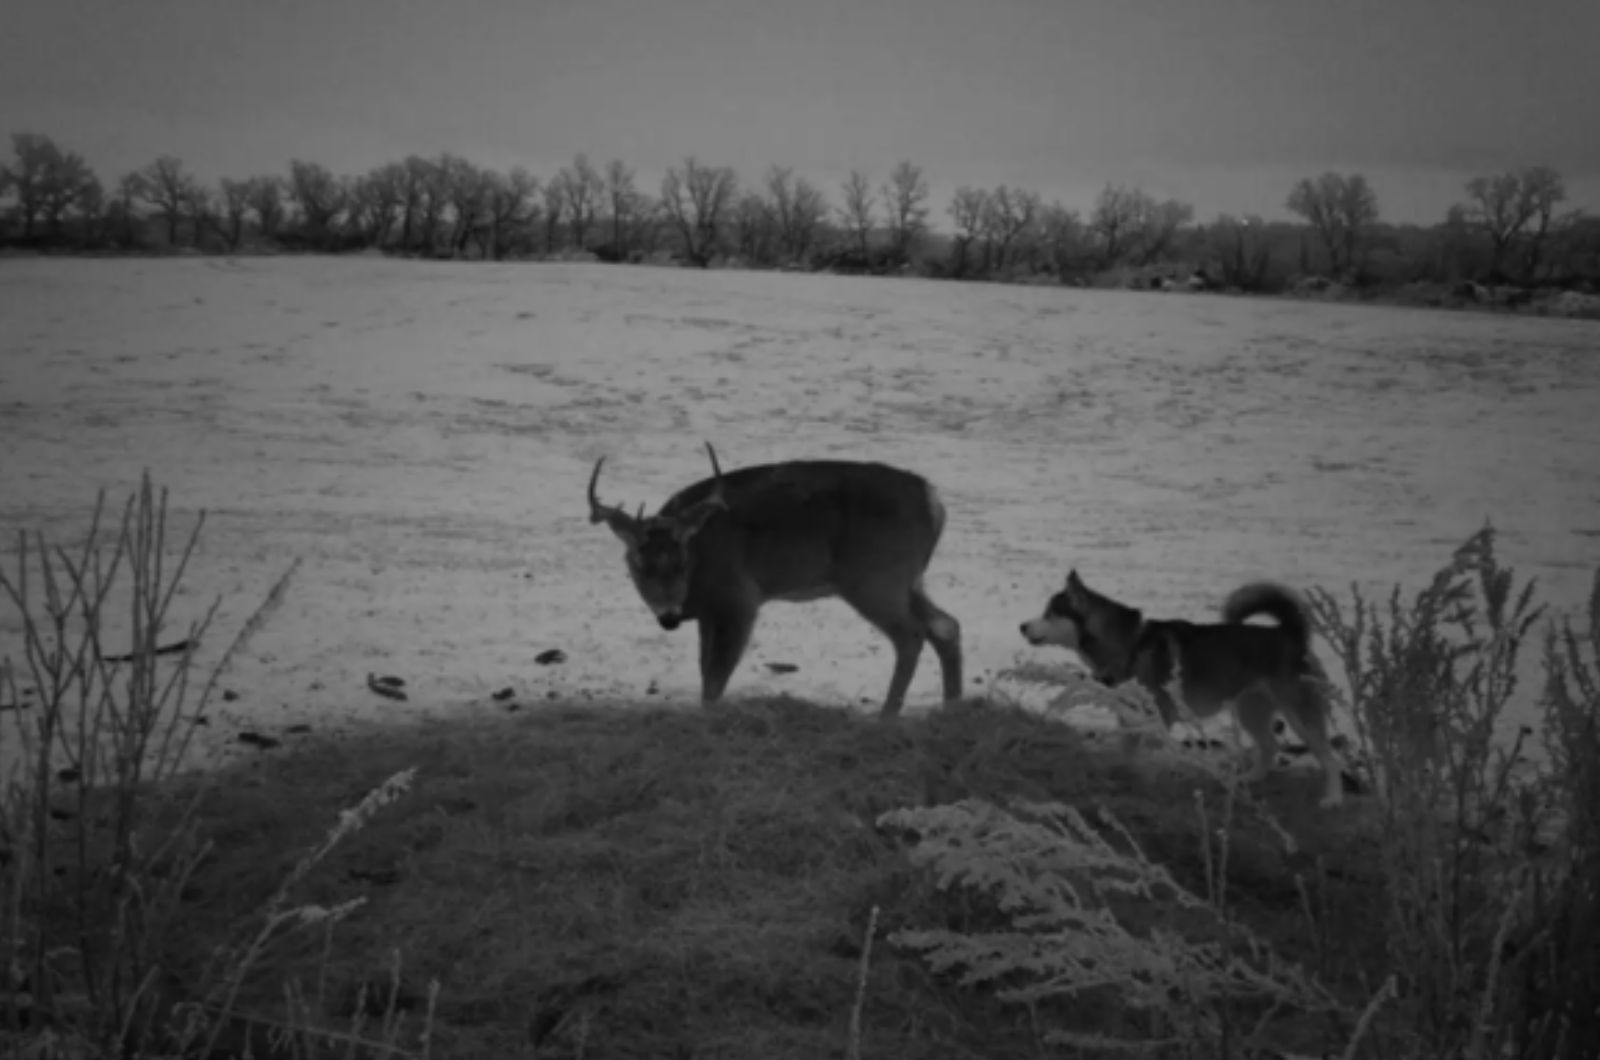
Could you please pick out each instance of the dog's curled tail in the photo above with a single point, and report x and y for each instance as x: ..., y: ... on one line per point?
x: 1278, y: 602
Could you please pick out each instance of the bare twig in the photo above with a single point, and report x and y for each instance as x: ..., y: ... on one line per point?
x: 1368, y: 1014
x: 854, y: 1050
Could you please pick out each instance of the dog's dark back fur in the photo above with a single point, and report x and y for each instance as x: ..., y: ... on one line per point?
x: 1223, y: 660
x: 1218, y: 661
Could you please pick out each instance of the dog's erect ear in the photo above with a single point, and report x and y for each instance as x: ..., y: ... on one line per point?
x: 1083, y: 598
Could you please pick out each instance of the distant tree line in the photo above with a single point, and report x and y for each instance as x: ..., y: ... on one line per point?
x: 1508, y: 229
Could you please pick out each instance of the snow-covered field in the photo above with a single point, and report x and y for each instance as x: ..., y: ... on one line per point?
x: 421, y: 434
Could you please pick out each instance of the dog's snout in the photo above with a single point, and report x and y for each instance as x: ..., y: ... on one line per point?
x: 1024, y: 628
x: 670, y: 621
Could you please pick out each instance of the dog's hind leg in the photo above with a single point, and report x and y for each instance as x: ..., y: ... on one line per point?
x: 1254, y: 709
x: 1308, y: 717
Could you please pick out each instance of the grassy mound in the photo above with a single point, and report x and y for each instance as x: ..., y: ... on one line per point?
x: 646, y: 882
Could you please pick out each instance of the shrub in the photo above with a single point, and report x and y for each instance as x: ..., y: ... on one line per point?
x: 98, y: 841
x: 1087, y: 921
x: 1430, y: 682
x: 91, y: 884
x: 1553, y: 956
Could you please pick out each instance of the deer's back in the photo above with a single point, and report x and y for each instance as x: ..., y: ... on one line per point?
x: 799, y: 529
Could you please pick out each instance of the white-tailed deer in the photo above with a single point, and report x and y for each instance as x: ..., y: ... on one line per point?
x: 799, y: 530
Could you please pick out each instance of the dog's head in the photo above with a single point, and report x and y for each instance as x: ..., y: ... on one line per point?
x: 1100, y: 630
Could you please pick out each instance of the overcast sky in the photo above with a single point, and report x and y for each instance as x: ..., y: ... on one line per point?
x: 1223, y: 103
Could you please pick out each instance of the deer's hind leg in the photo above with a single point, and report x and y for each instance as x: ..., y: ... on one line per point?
x: 942, y: 631
x: 889, y: 607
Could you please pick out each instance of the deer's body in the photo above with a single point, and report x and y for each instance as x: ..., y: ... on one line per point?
x: 796, y: 531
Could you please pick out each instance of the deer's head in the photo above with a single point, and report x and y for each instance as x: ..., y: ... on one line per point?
x: 659, y: 553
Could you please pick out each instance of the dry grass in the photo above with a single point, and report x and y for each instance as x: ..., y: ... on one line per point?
x: 634, y: 882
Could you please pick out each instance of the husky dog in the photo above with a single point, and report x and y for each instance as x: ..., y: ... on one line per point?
x: 1259, y: 671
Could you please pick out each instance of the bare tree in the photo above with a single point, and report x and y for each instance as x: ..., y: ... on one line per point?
x: 235, y: 205
x: 756, y: 230
x: 1118, y: 215
x: 905, y: 199
x: 555, y: 208
x: 510, y: 208
x: 375, y: 202
x: 780, y: 200
x: 1340, y: 208
x: 200, y: 207
x: 1130, y: 225
x: 123, y: 213
x: 266, y: 195
x: 625, y: 202
x: 1063, y: 234
x: 807, y: 210
x: 1575, y: 243
x: 696, y: 200
x: 417, y: 213
x: 1450, y: 246
x: 69, y: 185
x: 968, y: 209
x: 468, y: 193
x: 797, y: 208
x: 581, y: 191
x: 1007, y: 213
x: 1159, y: 229
x: 320, y: 197
x: 359, y: 220
x: 857, y: 210
x: 648, y: 224
x: 436, y: 178
x: 90, y: 204
x: 166, y: 187
x: 424, y: 198
x: 28, y: 176
x: 47, y: 182
x: 372, y: 204
x: 1503, y: 206
x: 1241, y: 251
x: 1357, y: 210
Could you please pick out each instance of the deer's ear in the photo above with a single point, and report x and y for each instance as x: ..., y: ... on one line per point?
x: 627, y: 529
x: 690, y: 522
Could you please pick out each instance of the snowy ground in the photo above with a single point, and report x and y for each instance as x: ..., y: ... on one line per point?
x: 421, y: 435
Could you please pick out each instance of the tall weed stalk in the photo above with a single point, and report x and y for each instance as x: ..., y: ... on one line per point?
x: 96, y: 848
x: 1553, y: 981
